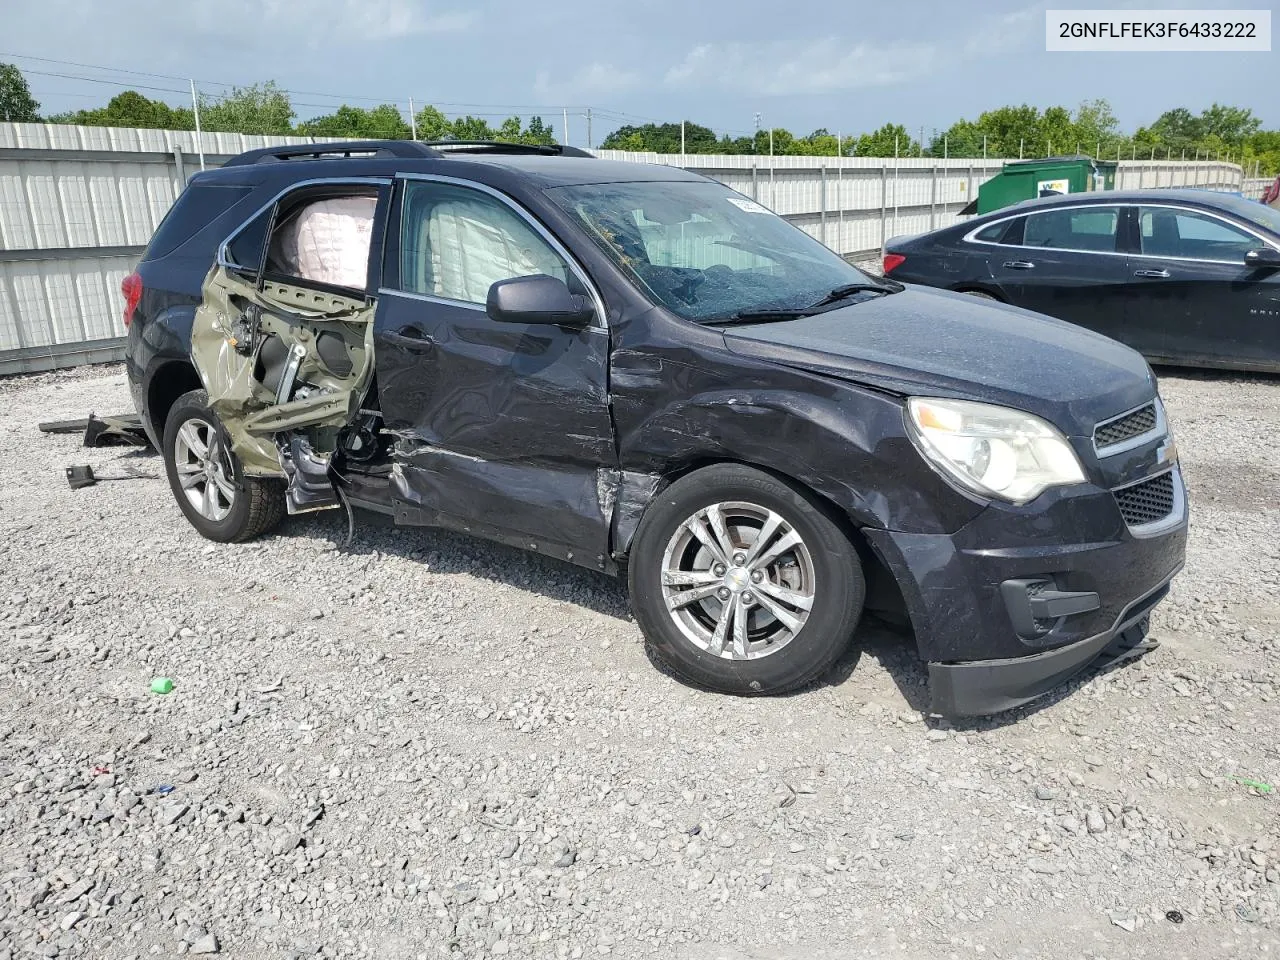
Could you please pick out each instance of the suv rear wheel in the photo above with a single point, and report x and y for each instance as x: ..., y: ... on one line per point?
x: 206, y: 479
x: 741, y: 583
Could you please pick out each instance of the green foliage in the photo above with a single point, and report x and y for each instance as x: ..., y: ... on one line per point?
x: 432, y: 124
x: 381, y: 123
x: 132, y: 109
x: 261, y: 108
x: 471, y: 128
x: 538, y: 132
x: 16, y: 102
x: 663, y: 138
x: 891, y: 140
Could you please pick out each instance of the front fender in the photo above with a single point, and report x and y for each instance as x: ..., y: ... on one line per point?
x: 844, y: 442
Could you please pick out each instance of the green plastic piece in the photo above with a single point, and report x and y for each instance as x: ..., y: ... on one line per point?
x: 162, y: 685
x: 1256, y: 784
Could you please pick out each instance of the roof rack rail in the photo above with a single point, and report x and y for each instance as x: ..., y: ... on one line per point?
x: 503, y: 146
x: 380, y: 149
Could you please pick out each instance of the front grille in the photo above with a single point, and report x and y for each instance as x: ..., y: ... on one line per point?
x: 1134, y: 424
x: 1148, y: 501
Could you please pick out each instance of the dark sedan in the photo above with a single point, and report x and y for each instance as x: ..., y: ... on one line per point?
x: 1184, y: 276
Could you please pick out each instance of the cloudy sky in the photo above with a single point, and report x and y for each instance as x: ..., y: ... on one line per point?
x: 801, y: 64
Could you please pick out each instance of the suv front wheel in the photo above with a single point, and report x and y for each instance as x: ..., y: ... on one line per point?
x: 206, y: 479
x: 741, y: 583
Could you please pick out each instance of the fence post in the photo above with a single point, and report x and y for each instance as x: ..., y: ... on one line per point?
x: 840, y: 206
x: 755, y: 184
x: 933, y: 200
x: 822, y: 199
x: 181, y: 167
x: 884, y: 204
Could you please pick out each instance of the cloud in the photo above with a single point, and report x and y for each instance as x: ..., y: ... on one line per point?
x: 317, y: 22
x: 833, y: 64
x: 593, y: 80
x: 821, y: 66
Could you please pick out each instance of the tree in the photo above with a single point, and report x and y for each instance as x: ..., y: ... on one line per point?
x: 471, y: 128
x: 538, y: 132
x: 382, y: 122
x: 16, y: 103
x: 663, y: 138
x: 261, y: 108
x: 509, y: 131
x: 432, y: 124
x: 1233, y: 125
x: 1174, y: 129
x: 132, y: 109
x: 889, y: 141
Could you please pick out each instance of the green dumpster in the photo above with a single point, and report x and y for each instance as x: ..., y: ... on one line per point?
x: 1026, y: 179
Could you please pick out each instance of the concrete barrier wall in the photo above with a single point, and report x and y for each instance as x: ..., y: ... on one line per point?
x: 78, y: 205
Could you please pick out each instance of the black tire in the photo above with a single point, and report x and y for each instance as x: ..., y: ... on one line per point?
x: 982, y: 295
x: 258, y: 505
x: 838, y: 593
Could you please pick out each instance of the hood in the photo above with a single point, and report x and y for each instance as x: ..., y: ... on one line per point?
x: 924, y: 342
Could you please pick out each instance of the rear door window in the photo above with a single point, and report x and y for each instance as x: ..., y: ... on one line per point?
x: 1186, y: 235
x: 992, y: 234
x: 1091, y: 229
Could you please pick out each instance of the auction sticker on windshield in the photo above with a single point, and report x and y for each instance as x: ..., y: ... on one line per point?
x: 750, y: 206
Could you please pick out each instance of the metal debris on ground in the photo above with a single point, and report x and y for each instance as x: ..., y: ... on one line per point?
x: 82, y: 475
x: 121, y: 428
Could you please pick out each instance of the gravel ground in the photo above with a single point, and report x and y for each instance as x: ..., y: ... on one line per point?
x: 426, y: 745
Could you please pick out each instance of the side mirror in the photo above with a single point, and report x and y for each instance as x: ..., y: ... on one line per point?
x: 537, y: 299
x: 1264, y: 257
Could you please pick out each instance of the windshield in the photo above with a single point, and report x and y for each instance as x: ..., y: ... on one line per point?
x: 703, y: 251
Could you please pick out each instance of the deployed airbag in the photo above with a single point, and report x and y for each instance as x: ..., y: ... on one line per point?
x: 328, y: 242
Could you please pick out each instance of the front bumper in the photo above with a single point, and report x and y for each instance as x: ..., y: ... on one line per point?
x: 989, y: 686
x: 1072, y: 543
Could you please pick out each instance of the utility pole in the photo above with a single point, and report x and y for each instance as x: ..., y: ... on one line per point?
x: 413, y: 121
x: 682, y: 138
x: 565, y: 116
x: 984, y: 146
x: 195, y: 107
x: 921, y: 149
x: 588, y: 128
x: 1021, y: 142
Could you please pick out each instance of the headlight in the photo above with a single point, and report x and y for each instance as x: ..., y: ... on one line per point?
x: 994, y: 451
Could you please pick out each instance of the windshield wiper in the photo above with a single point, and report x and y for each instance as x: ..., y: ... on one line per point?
x: 847, y: 290
x: 763, y: 315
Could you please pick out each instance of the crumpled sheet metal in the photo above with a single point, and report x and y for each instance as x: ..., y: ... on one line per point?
x: 247, y: 409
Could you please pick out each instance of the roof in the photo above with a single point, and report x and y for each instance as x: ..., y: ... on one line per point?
x: 1205, y: 198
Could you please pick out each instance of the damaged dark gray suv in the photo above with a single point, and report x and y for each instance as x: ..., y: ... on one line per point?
x: 637, y: 369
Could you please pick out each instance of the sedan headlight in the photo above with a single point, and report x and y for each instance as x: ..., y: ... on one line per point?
x: 993, y: 451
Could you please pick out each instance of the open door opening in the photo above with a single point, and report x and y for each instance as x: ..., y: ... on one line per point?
x: 283, y: 340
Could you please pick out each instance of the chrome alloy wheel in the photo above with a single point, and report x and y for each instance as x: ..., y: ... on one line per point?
x: 738, y: 580
x: 204, y: 469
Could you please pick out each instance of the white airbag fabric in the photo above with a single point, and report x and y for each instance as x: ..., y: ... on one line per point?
x: 329, y: 241
x: 472, y: 244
